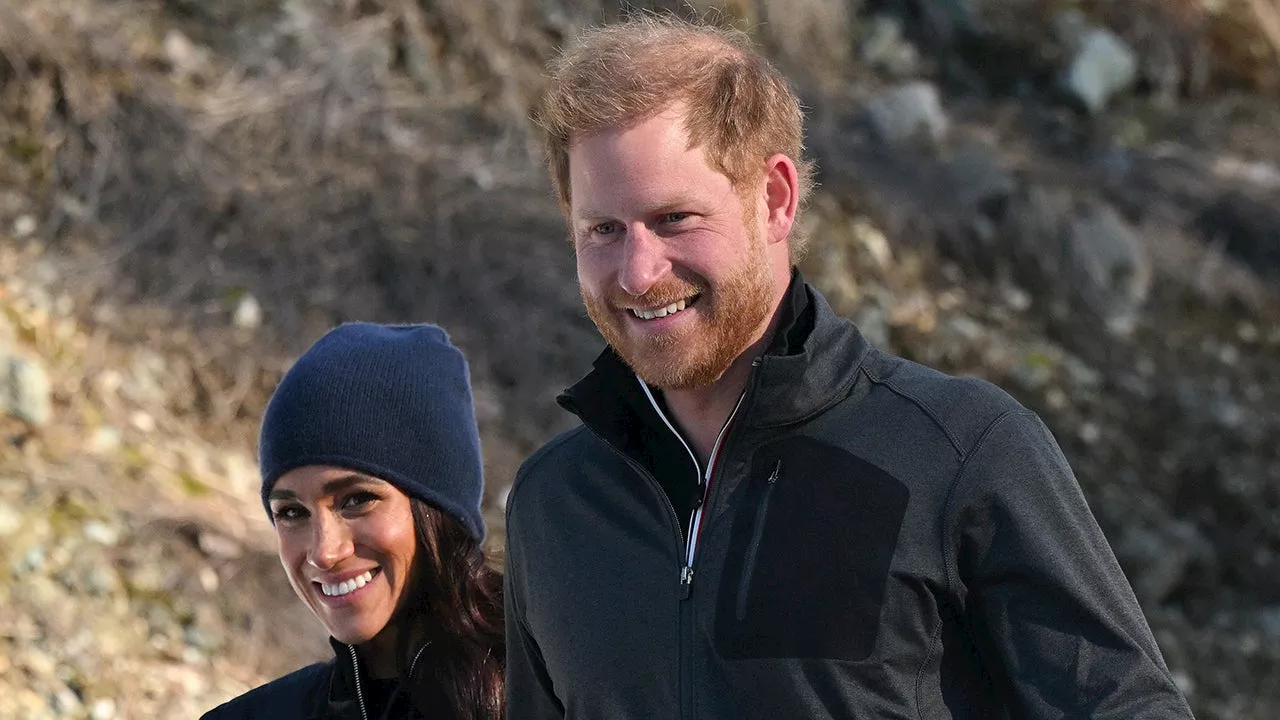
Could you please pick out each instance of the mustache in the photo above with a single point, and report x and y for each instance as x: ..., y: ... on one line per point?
x: 661, y: 294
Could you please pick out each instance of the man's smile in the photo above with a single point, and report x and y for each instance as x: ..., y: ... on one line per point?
x: 664, y: 311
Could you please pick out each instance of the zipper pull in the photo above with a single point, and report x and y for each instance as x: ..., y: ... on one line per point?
x: 777, y: 469
x: 686, y: 582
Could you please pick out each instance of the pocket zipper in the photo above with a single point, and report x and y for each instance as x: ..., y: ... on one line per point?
x: 748, y: 567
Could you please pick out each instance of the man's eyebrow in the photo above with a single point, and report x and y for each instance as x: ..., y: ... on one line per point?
x: 672, y: 204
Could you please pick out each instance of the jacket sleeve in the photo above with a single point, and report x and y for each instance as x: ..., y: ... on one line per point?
x: 529, y: 691
x: 1045, y: 601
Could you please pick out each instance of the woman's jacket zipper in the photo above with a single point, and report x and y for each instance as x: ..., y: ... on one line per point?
x: 355, y: 666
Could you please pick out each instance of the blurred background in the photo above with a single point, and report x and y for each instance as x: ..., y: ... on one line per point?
x: 1076, y: 199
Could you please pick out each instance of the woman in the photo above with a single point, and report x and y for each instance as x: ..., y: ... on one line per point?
x: 371, y: 474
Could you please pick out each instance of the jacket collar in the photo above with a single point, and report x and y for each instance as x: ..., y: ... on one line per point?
x: 809, y: 366
x: 815, y: 373
x: 339, y: 699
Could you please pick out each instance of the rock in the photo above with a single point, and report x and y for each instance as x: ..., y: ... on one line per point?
x: 873, y: 241
x: 32, y: 561
x: 66, y: 702
x: 248, y: 314
x: 975, y: 178
x: 38, y: 663
x: 1109, y: 271
x: 144, y: 384
x: 1080, y: 375
x: 219, y: 546
x: 103, y: 709
x: 908, y: 112
x: 1089, y: 433
x: 1227, y: 413
x: 105, y: 440
x: 1103, y: 66
x: 1033, y: 370
x: 209, y: 581
x: 1014, y: 297
x: 184, y: 56
x: 1263, y: 174
x: 1269, y: 620
x: 25, y: 390
x: 1184, y: 683
x: 100, y: 580
x: 884, y: 48
x: 146, y: 579
x: 12, y: 203
x: 24, y: 227
x: 1248, y: 228
x: 101, y: 533
x: 10, y: 520
x: 31, y: 706
x: 965, y: 328
x: 1159, y: 560
x: 142, y: 420
x: 873, y: 322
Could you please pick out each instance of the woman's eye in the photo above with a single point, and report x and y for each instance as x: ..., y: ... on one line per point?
x: 289, y: 512
x: 359, y: 499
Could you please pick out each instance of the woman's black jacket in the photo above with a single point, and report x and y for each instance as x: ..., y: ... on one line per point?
x: 324, y: 691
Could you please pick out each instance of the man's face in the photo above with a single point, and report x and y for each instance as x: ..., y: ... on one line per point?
x: 672, y: 266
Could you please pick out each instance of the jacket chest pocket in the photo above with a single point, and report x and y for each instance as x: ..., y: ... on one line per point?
x: 809, y: 555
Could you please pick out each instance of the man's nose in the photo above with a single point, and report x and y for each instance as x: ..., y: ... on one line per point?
x: 644, y: 260
x: 330, y: 541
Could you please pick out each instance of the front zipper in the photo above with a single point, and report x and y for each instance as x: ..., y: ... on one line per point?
x: 704, y: 481
x: 355, y: 665
x: 685, y: 667
x: 687, y: 541
x: 749, y: 566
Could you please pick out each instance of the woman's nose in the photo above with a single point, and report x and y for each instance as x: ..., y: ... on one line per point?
x: 330, y: 542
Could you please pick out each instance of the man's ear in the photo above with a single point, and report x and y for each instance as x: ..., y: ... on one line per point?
x: 781, y: 196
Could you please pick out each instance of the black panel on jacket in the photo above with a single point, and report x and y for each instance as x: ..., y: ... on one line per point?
x: 810, y: 551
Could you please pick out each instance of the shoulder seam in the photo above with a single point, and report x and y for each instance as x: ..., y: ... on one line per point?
x: 924, y: 408
x: 955, y: 485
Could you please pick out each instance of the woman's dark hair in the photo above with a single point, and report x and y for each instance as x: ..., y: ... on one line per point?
x: 457, y: 613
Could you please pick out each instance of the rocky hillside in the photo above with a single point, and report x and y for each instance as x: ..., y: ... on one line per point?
x: 1073, y: 198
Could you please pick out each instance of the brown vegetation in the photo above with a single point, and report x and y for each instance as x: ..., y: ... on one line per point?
x: 372, y: 159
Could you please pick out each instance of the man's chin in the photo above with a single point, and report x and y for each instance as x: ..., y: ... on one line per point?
x: 671, y: 371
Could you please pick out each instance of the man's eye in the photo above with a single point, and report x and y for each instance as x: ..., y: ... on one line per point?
x: 605, y: 228
x: 675, y: 217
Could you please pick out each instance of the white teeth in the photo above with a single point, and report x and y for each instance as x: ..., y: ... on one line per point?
x: 671, y: 309
x: 347, y: 586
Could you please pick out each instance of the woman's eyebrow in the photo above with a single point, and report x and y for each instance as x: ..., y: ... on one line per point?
x: 281, y: 494
x: 330, y: 488
x: 339, y: 484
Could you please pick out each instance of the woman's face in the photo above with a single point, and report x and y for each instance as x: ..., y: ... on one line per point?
x: 347, y: 543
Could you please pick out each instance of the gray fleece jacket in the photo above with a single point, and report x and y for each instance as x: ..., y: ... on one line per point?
x: 877, y: 540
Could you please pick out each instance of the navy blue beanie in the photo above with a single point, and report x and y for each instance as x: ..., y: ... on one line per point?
x: 392, y: 401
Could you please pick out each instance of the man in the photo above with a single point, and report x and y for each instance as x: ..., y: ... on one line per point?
x: 761, y: 515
